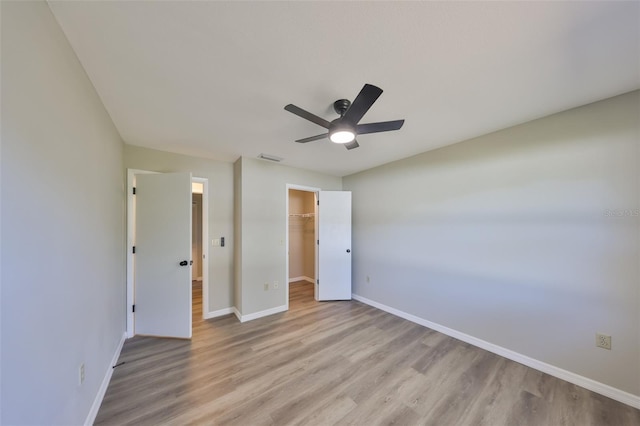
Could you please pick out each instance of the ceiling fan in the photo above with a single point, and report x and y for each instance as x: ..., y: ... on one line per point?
x: 343, y: 130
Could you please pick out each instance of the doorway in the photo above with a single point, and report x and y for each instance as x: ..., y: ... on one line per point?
x: 197, y: 250
x: 196, y: 231
x: 331, y: 238
x: 202, y: 253
x: 301, y: 208
x: 200, y: 187
x: 302, y: 241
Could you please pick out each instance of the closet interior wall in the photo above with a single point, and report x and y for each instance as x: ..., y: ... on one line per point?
x: 301, y: 235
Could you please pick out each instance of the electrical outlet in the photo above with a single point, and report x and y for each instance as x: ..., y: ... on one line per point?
x: 275, y: 284
x: 81, y: 374
x: 266, y: 286
x: 603, y: 341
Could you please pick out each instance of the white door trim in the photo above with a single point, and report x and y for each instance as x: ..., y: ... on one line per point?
x: 286, y: 238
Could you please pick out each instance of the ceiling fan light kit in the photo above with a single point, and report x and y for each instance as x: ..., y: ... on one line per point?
x: 342, y: 136
x: 343, y: 130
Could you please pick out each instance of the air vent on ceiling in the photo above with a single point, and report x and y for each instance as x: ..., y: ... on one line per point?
x: 270, y: 158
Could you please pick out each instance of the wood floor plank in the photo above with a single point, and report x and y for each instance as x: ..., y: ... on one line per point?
x: 325, y: 363
x: 330, y: 412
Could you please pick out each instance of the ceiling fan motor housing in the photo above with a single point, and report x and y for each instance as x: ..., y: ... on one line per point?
x: 341, y: 106
x: 339, y: 125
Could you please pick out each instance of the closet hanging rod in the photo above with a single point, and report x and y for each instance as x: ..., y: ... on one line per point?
x: 302, y: 214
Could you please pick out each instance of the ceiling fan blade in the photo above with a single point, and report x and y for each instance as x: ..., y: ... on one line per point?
x: 361, y: 104
x: 307, y: 116
x: 352, y: 144
x: 313, y: 138
x: 383, y: 126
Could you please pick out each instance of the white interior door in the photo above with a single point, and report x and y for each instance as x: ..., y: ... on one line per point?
x: 163, y: 242
x: 334, y: 245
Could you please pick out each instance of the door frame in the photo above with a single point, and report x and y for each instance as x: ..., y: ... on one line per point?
x: 286, y: 238
x: 131, y: 180
x: 205, y: 243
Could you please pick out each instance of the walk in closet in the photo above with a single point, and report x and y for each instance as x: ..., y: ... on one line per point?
x: 302, y: 223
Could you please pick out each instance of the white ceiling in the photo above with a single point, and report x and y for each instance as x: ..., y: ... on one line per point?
x: 212, y: 78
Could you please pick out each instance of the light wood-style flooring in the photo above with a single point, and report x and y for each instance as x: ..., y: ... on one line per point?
x: 342, y: 363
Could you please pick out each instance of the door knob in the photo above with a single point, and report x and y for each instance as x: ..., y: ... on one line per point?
x: 348, y: 251
x: 184, y: 263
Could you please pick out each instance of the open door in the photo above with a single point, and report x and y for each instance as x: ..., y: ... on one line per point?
x: 163, y: 254
x: 333, y: 280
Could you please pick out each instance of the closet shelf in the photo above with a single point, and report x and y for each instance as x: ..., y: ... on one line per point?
x: 302, y: 215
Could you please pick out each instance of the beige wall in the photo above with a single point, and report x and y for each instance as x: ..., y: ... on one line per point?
x: 220, y: 220
x: 62, y: 198
x: 514, y: 238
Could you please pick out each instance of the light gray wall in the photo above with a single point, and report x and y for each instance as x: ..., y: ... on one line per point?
x: 63, y: 274
x: 508, y: 238
x: 220, y: 176
x: 263, y: 220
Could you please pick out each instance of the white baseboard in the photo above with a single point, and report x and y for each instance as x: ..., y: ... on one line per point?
x: 576, y: 379
x: 218, y: 313
x: 303, y: 278
x: 256, y: 315
x: 91, y: 417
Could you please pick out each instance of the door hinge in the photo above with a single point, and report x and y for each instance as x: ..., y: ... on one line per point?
x: 318, y: 202
x: 134, y: 250
x: 317, y: 242
x: 133, y: 308
x: 318, y: 282
x: 134, y: 190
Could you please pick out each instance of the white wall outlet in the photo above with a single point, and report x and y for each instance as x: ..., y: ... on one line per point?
x: 266, y: 286
x: 275, y: 284
x: 603, y: 341
x: 81, y: 374
x: 215, y: 242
